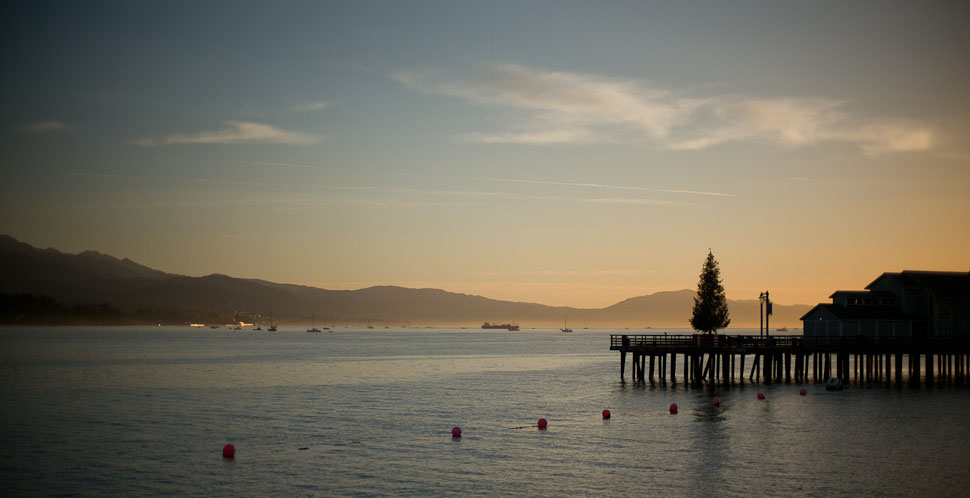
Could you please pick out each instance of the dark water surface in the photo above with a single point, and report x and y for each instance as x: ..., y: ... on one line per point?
x: 146, y: 411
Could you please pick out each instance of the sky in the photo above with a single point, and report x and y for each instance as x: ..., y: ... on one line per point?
x: 564, y: 153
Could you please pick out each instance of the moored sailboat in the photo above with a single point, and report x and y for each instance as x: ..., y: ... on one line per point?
x: 313, y: 327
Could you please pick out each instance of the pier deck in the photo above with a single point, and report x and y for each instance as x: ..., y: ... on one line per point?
x: 788, y: 358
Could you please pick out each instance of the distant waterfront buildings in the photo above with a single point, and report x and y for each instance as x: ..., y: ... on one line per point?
x: 916, y: 304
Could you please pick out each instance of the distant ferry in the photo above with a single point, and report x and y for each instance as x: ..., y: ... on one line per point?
x: 506, y: 326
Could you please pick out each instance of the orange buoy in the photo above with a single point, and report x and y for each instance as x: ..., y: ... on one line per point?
x: 761, y: 395
x: 803, y: 392
x: 717, y: 401
x: 456, y: 431
x: 673, y: 408
x: 542, y: 423
x: 228, y: 451
x: 606, y: 414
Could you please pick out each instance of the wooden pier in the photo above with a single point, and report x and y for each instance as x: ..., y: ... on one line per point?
x: 721, y: 359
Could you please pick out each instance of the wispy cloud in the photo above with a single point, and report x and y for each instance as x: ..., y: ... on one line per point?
x: 800, y: 122
x: 614, y: 187
x: 563, y: 107
x: 46, y: 126
x: 312, y: 106
x: 285, y: 165
x: 237, y: 132
x: 566, y: 107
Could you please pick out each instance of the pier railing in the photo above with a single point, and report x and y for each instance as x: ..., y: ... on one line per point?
x: 653, y: 341
x: 648, y: 342
x: 720, y: 358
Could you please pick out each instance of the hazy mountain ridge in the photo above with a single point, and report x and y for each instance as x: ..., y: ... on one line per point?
x: 92, y: 277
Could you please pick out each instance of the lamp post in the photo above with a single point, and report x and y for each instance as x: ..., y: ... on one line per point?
x: 767, y: 313
x: 761, y: 315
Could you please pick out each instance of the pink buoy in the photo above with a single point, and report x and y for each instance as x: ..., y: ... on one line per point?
x: 717, y: 401
x: 761, y: 395
x: 803, y: 392
x: 542, y: 423
x: 606, y: 414
x: 456, y: 431
x: 228, y: 451
x: 673, y: 408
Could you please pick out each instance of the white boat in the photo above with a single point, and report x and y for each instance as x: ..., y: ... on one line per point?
x: 564, y: 327
x: 833, y: 384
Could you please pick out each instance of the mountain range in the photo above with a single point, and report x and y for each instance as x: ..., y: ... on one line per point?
x: 91, y: 277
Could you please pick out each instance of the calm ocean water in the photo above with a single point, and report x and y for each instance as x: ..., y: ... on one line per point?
x: 146, y: 411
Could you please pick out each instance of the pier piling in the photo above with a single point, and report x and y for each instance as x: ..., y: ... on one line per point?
x: 870, y: 360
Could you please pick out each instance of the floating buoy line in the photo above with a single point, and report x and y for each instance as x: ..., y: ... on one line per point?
x: 229, y: 450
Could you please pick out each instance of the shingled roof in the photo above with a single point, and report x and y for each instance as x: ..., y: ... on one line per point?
x: 949, y: 283
x: 862, y: 312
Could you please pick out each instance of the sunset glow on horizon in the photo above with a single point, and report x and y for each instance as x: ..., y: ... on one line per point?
x: 561, y: 153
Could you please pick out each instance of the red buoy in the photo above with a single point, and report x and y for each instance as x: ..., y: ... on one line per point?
x: 803, y: 392
x: 606, y: 414
x: 228, y: 451
x: 456, y: 431
x: 673, y: 408
x: 542, y: 423
x: 717, y: 401
x: 761, y: 395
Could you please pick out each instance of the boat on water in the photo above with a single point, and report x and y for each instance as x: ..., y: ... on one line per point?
x: 565, y: 328
x: 833, y: 384
x: 313, y: 327
x: 506, y: 326
x: 271, y: 328
x: 783, y: 329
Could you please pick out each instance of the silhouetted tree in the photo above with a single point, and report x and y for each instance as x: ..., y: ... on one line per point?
x: 710, y: 305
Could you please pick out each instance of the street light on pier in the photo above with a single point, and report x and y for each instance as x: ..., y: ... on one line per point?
x: 764, y: 313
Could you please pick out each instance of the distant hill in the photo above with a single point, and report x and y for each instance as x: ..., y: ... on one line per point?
x: 92, y: 278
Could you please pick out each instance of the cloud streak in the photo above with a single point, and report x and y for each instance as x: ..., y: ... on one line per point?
x: 237, y: 132
x: 287, y: 165
x: 615, y: 187
x: 566, y: 108
x: 46, y: 126
x: 312, y: 106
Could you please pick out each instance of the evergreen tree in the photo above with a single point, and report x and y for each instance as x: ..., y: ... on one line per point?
x: 710, y: 305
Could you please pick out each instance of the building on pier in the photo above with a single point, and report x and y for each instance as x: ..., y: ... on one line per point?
x: 916, y: 304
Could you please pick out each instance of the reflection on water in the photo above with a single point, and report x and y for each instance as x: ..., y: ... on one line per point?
x: 199, y: 359
x: 140, y: 412
x: 709, y: 441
